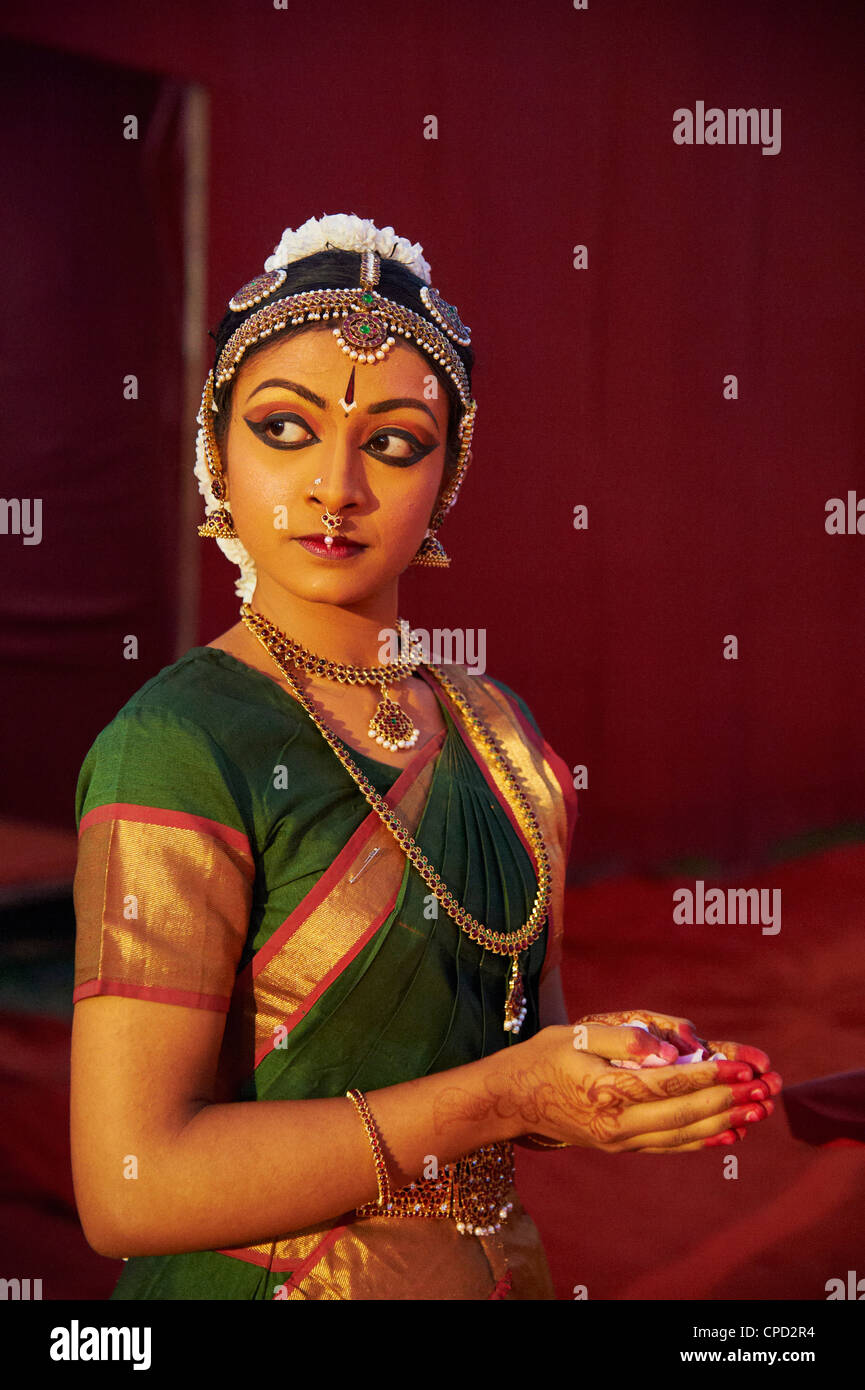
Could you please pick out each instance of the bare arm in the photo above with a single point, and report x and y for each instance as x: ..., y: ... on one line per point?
x: 222, y: 1175
x: 213, y: 1176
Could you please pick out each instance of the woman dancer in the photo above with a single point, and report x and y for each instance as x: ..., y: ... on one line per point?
x: 320, y: 879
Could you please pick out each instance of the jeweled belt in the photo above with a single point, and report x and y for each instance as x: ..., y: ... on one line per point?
x: 472, y: 1191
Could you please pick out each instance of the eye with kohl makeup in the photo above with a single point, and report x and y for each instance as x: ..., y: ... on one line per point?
x: 400, y: 439
x: 292, y: 428
x: 402, y: 450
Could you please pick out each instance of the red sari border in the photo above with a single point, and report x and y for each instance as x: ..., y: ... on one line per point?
x: 154, y: 994
x: 156, y: 815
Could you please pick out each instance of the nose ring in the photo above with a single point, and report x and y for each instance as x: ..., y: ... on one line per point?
x: 331, y: 520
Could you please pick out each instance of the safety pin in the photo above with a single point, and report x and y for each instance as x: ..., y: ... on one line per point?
x: 370, y: 856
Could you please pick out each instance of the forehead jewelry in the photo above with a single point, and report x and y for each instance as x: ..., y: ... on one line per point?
x: 256, y: 290
x: 446, y: 315
x: 368, y: 327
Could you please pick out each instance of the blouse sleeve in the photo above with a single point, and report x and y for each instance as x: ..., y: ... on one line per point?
x: 165, y: 871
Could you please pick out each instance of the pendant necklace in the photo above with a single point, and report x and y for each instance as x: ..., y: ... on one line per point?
x: 282, y: 649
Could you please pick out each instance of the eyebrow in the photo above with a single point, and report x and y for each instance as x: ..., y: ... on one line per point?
x: 378, y: 408
x: 291, y: 386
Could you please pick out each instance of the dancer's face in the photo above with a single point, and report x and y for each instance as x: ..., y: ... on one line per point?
x: 381, y: 465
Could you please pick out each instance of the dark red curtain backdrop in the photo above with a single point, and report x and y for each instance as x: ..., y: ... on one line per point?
x: 92, y: 293
x: 600, y: 386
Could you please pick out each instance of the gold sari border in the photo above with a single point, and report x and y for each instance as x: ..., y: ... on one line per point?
x: 558, y: 767
x: 488, y: 777
x: 546, y: 779
x: 410, y: 1259
x: 265, y: 1256
x: 316, y: 895
x: 337, y: 918
x: 161, y: 912
x: 297, y: 1015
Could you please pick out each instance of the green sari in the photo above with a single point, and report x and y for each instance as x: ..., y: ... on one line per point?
x: 228, y: 861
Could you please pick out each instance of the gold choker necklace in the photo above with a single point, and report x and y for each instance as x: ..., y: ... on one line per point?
x: 511, y: 943
x: 390, y: 726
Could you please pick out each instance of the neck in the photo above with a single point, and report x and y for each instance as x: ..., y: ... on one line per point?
x: 347, y: 633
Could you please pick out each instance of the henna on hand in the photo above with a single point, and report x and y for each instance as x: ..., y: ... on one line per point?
x: 546, y: 1096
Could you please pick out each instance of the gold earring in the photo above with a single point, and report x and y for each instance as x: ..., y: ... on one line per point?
x: 220, y: 524
x: 431, y: 552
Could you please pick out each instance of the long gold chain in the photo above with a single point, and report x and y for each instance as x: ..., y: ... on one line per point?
x: 500, y: 943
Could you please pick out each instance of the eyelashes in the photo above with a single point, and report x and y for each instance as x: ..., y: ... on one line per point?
x: 418, y: 451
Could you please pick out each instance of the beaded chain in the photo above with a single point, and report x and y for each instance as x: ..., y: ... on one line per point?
x: 382, y: 315
x: 499, y: 943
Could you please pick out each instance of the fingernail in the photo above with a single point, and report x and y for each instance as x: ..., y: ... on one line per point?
x: 745, y: 1091
x: 745, y: 1074
x: 742, y: 1114
x: 653, y: 1060
x: 742, y: 1132
x: 728, y: 1137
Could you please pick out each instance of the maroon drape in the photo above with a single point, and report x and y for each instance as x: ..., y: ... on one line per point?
x: 90, y: 225
x: 600, y: 386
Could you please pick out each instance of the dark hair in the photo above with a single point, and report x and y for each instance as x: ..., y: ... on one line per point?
x: 341, y: 270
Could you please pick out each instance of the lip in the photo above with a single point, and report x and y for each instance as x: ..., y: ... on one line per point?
x: 342, y: 549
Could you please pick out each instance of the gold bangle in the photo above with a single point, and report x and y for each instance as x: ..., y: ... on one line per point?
x: 547, y: 1143
x: 381, y: 1174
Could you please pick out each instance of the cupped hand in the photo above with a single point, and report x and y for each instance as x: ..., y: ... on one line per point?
x: 680, y: 1033
x: 579, y: 1099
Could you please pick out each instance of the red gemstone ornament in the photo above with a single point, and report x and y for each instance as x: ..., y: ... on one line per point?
x: 363, y: 332
x: 446, y: 316
x: 257, y: 289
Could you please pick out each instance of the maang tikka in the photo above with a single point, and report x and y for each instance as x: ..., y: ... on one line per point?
x: 365, y: 334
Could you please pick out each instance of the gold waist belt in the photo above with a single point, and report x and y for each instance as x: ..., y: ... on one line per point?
x: 472, y: 1192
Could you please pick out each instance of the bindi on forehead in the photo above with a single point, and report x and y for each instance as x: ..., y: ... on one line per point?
x: 347, y: 400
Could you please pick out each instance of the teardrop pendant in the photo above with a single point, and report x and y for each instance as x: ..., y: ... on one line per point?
x: 515, y: 1004
x: 390, y: 726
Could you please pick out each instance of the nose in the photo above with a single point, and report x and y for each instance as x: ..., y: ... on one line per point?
x: 341, y: 484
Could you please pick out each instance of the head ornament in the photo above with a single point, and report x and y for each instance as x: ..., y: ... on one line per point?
x: 366, y: 326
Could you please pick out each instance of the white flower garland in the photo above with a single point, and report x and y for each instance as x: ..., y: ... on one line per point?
x: 347, y: 233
